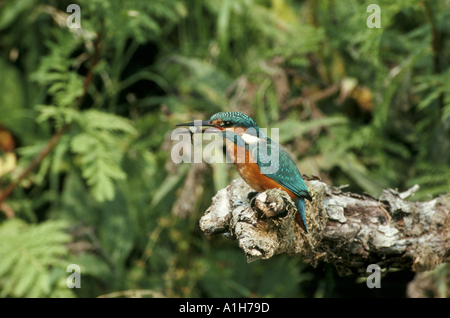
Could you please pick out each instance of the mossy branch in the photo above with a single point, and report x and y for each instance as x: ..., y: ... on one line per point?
x: 348, y: 230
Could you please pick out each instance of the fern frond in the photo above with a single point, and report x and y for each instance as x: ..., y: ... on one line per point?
x: 29, y: 255
x: 55, y: 70
x: 94, y: 119
x: 434, y: 179
x: 99, y: 164
x: 101, y: 149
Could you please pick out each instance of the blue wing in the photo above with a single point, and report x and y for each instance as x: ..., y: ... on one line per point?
x: 284, y: 170
x: 275, y: 163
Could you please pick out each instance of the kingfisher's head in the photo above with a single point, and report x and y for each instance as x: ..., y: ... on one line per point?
x: 232, y: 121
x: 228, y: 121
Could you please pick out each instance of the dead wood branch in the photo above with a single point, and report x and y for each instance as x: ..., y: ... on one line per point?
x: 348, y: 230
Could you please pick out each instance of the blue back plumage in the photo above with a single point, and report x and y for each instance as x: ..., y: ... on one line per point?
x: 274, y: 162
x: 284, y: 172
x: 280, y: 167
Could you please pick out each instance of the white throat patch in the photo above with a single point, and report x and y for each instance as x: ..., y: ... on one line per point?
x: 249, y: 139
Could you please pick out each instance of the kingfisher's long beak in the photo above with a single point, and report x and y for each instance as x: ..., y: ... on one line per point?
x: 195, y: 126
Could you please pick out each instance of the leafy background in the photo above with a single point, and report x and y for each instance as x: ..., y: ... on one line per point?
x: 96, y: 106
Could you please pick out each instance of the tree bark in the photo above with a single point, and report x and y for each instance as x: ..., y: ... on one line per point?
x: 348, y: 230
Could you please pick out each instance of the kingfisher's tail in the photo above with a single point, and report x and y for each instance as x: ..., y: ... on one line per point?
x: 300, y: 216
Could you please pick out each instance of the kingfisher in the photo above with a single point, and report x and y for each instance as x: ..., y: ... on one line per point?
x: 261, y: 162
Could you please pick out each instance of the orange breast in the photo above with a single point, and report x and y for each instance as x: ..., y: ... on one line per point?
x: 249, y: 171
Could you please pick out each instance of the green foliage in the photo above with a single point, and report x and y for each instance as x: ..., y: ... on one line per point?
x: 354, y: 105
x: 55, y: 72
x: 100, y: 150
x: 32, y: 259
x: 254, y: 280
x: 435, y: 178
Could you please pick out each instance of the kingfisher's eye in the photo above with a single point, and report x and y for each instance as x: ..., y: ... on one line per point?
x: 227, y: 123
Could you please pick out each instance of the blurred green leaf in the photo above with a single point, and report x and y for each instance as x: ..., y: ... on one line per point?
x: 30, y: 255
